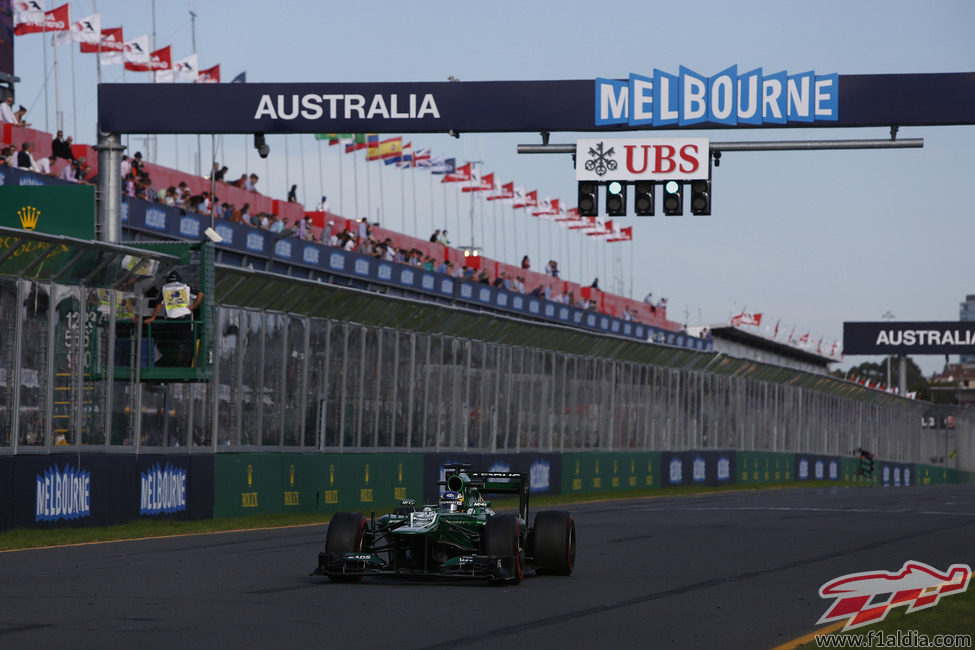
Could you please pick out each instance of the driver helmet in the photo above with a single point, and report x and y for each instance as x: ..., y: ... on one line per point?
x: 451, y: 501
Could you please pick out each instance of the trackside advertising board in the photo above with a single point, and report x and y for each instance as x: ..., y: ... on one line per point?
x: 909, y: 337
x: 645, y: 99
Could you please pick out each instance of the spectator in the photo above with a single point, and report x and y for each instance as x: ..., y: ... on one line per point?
x: 5, y: 155
x: 251, y: 183
x: 443, y: 238
x: 61, y: 148
x: 69, y: 172
x: 44, y: 165
x: 25, y: 159
x: 363, y: 229
x: 126, y: 166
x: 324, y: 205
x: 19, y: 116
x: 595, y: 284
x: 7, y: 112
x: 435, y: 237
x: 499, y: 281
x: 526, y: 263
x: 137, y: 165
x: 240, y: 182
x: 277, y: 224
x: 327, y: 231
x: 293, y: 194
x: 553, y: 268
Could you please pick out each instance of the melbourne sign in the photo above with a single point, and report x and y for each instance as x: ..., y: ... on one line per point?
x: 726, y: 98
x: 685, y: 99
x: 928, y: 337
x: 641, y: 158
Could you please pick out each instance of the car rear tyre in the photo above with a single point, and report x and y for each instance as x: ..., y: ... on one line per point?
x: 554, y: 537
x: 503, y: 536
x: 345, y: 533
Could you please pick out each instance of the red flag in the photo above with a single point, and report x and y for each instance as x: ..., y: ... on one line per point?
x: 486, y: 183
x: 461, y: 175
x: 55, y: 20
x: 507, y: 192
x: 531, y: 200
x: 745, y: 318
x: 112, y: 41
x: 210, y: 75
x: 625, y: 234
x: 159, y: 61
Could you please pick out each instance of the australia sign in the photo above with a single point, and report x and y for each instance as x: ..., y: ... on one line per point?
x: 653, y: 99
x: 909, y: 337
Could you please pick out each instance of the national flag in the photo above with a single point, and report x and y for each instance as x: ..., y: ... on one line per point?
x: 28, y: 19
x: 240, y: 79
x: 159, y: 61
x: 372, y: 146
x: 334, y: 138
x: 422, y: 157
x: 209, y: 76
x: 745, y: 318
x: 460, y: 174
x: 358, y: 142
x: 485, y: 182
x: 439, y: 165
x: 86, y: 30
x: 391, y: 148
x: 185, y: 69
x: 507, y: 192
x: 405, y: 159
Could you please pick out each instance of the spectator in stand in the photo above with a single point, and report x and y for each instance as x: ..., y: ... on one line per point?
x: 137, y: 165
x: 526, y: 263
x: 435, y: 237
x: 553, y: 268
x: 7, y: 111
x: 19, y: 116
x: 5, y: 155
x: 662, y: 303
x: 240, y: 182
x: 245, y: 214
x: 277, y: 224
x: 443, y: 238
x: 499, y: 281
x: 126, y: 166
x: 595, y: 283
x: 61, y: 148
x: 250, y: 184
x: 363, y: 229
x: 293, y: 194
x: 327, y: 231
x: 324, y: 205
x: 302, y: 229
x: 44, y: 165
x: 25, y: 157
x: 69, y: 172
x: 226, y: 211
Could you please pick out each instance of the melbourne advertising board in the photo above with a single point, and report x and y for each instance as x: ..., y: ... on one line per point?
x: 909, y: 337
x: 646, y: 99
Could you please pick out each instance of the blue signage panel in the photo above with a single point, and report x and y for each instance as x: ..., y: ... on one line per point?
x: 648, y: 99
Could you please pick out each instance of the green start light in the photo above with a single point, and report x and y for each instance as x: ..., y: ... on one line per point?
x: 615, y: 187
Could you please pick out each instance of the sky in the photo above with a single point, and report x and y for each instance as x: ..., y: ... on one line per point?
x: 809, y: 239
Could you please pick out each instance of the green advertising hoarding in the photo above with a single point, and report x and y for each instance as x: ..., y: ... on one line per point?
x: 67, y: 210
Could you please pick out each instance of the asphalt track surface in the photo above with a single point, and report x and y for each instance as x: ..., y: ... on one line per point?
x: 729, y: 570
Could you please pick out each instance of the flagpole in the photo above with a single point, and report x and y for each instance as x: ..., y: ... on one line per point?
x: 199, y: 146
x: 304, y: 181
x: 321, y: 174
x: 47, y: 108
x: 287, y: 166
x: 355, y: 178
x: 402, y: 209
x: 416, y: 219
x: 74, y: 96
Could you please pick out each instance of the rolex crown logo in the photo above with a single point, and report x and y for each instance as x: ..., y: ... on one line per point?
x: 28, y: 217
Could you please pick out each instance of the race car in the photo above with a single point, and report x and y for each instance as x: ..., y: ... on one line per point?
x: 458, y: 537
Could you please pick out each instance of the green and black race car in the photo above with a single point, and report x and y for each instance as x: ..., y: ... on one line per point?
x: 459, y: 537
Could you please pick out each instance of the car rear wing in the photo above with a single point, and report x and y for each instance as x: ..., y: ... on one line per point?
x: 459, y: 476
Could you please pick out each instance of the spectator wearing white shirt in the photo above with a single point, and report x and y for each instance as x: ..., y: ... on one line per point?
x: 44, y: 165
x: 7, y: 111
